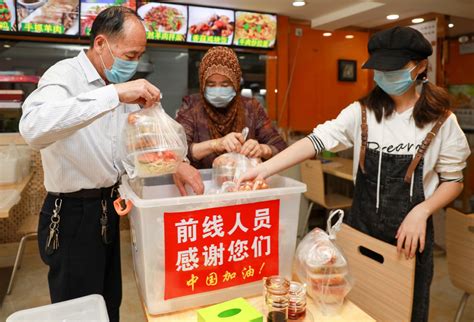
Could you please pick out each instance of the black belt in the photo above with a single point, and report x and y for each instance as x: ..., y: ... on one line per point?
x: 89, y: 193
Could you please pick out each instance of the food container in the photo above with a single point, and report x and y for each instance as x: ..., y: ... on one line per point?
x: 228, y: 167
x: 154, y: 144
x: 155, y: 198
x: 87, y: 308
x: 323, y: 267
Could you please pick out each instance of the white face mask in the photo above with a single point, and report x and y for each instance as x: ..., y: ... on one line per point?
x: 219, y: 97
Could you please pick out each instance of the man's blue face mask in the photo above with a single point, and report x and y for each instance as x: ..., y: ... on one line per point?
x: 121, y: 70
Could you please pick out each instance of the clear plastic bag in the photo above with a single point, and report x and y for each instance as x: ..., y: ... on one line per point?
x: 154, y: 144
x: 228, y: 167
x: 322, y: 266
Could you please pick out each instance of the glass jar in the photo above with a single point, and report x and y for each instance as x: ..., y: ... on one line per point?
x: 276, y: 295
x: 297, y: 301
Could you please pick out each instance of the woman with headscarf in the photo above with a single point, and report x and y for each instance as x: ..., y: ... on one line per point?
x: 214, y: 118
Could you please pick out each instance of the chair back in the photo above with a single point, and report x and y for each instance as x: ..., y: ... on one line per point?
x: 460, y: 249
x: 383, y: 279
x: 312, y: 176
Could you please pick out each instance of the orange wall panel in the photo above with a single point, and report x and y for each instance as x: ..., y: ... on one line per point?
x: 315, y: 93
x: 459, y: 68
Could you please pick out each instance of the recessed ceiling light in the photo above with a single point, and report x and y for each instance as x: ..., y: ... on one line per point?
x: 299, y: 3
x: 349, y: 36
x: 451, y: 25
x: 417, y: 20
x: 327, y: 34
x: 393, y: 17
x: 8, y: 58
x: 6, y: 46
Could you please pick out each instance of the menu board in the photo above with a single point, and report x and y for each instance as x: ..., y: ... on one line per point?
x: 7, y: 15
x: 91, y: 8
x: 164, y: 21
x: 255, y: 29
x: 210, y: 26
x: 48, y: 16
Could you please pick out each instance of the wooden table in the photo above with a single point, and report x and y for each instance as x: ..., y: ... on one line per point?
x: 339, y: 167
x: 19, y: 186
x: 349, y: 312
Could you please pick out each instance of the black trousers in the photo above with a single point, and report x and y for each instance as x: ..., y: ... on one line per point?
x: 83, y: 264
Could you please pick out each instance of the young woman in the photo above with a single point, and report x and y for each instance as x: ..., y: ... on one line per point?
x: 409, y: 152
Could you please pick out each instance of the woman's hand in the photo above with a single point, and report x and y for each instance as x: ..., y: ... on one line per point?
x: 252, y: 149
x: 232, y: 142
x: 257, y: 173
x: 412, y: 231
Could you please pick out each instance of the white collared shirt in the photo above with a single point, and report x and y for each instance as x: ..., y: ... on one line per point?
x: 76, y: 120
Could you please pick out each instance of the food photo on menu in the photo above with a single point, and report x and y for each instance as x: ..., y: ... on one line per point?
x: 164, y: 21
x: 210, y: 25
x: 48, y: 16
x: 255, y: 29
x: 7, y: 15
x: 91, y: 8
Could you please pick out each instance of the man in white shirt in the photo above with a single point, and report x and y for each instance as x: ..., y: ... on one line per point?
x: 76, y: 117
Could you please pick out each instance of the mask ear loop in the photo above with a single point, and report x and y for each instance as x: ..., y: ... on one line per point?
x: 110, y: 51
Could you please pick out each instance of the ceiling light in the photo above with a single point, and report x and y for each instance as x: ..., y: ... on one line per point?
x: 451, y: 25
x: 393, y: 17
x: 6, y: 46
x: 299, y: 3
x: 349, y: 36
x: 8, y: 58
x: 327, y: 34
x: 417, y: 20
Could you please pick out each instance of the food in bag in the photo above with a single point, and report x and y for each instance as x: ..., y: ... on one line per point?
x: 323, y: 267
x: 228, y: 167
x: 155, y: 144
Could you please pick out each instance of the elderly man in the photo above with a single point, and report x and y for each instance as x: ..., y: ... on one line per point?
x: 75, y: 117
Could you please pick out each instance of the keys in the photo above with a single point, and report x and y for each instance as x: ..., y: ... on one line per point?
x: 52, y: 242
x: 104, y: 232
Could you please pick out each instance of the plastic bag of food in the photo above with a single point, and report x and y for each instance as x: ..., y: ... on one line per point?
x: 323, y: 267
x: 228, y: 167
x: 154, y: 143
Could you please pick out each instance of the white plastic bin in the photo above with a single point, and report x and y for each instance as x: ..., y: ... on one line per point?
x: 89, y: 308
x: 160, y: 195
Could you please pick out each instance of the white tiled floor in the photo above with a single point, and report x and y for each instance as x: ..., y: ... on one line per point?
x: 31, y: 288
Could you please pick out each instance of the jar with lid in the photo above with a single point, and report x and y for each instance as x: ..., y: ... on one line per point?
x: 276, y: 296
x: 297, y: 301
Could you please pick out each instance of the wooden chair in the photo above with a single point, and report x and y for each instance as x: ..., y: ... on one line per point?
x: 383, y: 280
x: 28, y: 229
x: 312, y: 175
x: 460, y: 253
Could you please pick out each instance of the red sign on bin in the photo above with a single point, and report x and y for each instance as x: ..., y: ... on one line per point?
x: 216, y: 248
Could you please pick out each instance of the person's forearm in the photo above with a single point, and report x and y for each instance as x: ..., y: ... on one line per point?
x: 294, y: 154
x: 203, y: 149
x: 443, y: 196
x: 46, y: 121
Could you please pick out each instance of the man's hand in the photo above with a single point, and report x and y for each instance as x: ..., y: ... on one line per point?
x: 187, y: 174
x: 139, y: 91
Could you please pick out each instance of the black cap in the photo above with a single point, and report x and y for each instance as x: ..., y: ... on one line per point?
x: 393, y: 48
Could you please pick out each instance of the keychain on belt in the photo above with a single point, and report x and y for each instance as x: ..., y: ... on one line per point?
x: 52, y: 242
x: 104, y: 219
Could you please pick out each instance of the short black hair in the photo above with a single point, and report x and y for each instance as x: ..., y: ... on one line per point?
x: 110, y: 22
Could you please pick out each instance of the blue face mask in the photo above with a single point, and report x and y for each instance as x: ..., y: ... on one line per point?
x: 394, y: 82
x: 219, y: 97
x: 121, y: 71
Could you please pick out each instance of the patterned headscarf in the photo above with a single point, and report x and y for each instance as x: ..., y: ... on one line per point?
x: 223, y: 61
